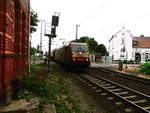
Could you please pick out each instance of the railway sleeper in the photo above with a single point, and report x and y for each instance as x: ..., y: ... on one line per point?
x: 101, y: 82
x: 89, y: 85
x: 94, y: 88
x: 103, y: 94
x: 130, y: 97
x: 110, y: 87
x: 140, y: 101
x: 114, y: 90
x: 98, y: 90
x: 106, y: 85
x: 122, y: 93
x: 147, y: 108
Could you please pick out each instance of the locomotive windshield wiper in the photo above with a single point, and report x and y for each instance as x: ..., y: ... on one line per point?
x: 80, y: 49
x: 83, y: 48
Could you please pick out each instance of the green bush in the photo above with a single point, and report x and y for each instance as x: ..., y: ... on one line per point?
x: 51, y: 90
x: 145, y: 68
x: 41, y: 87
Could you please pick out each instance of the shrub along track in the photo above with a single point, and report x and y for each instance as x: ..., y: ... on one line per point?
x: 125, y: 97
x: 139, y: 84
x: 61, y: 89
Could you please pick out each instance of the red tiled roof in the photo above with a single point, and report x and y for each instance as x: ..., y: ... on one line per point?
x: 142, y: 42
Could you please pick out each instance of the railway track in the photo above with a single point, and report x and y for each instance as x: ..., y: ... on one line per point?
x: 137, y: 83
x: 128, y: 76
x: 137, y: 100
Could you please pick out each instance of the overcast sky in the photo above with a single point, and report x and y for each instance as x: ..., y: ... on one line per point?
x: 99, y: 19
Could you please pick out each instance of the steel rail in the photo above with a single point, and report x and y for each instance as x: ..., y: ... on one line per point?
x: 123, y: 87
x: 129, y: 76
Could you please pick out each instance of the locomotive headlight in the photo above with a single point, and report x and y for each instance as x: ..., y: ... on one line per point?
x: 87, y: 59
x: 80, y: 53
x: 73, y: 59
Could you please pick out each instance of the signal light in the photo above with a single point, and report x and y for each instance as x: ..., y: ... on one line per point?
x: 53, y: 31
x: 55, y: 20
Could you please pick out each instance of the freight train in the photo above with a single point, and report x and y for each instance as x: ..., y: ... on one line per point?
x: 74, y: 54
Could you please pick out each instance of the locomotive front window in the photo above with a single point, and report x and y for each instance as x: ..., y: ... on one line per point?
x: 80, y: 48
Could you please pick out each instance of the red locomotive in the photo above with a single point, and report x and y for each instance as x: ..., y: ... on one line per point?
x: 73, y: 54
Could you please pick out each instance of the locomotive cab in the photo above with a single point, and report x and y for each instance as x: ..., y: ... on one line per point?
x: 80, y: 54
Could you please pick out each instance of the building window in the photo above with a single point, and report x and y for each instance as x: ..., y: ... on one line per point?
x: 135, y: 42
x: 122, y: 41
x: 146, y: 56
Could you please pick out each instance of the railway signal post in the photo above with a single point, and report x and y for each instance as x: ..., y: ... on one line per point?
x: 49, y: 52
x: 54, y: 24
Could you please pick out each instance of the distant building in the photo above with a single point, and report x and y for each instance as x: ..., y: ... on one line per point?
x: 141, y: 48
x: 124, y: 46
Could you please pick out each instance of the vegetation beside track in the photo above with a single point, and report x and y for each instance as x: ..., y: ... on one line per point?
x: 145, y: 68
x: 51, y: 89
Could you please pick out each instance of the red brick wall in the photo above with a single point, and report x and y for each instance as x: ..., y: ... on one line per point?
x: 2, y: 21
x: 14, y: 26
x: 17, y: 39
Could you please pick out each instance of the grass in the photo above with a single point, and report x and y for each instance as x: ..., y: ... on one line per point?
x: 51, y: 90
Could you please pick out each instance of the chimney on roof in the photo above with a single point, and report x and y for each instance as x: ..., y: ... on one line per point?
x: 142, y: 36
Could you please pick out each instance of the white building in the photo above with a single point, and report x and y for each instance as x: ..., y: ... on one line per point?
x: 124, y: 46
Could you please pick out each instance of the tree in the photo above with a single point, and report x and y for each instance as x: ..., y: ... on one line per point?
x: 33, y: 21
x: 34, y: 51
x: 92, y: 45
x: 33, y: 24
x: 101, y: 49
x: 84, y: 39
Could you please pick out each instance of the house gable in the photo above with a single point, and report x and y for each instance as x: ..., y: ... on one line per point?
x: 141, y: 42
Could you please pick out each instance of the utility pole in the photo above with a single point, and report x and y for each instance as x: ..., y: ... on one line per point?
x: 77, y: 25
x: 48, y: 34
x: 41, y: 38
x: 126, y: 59
x: 49, y: 53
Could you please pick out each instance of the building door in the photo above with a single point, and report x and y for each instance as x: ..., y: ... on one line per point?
x: 137, y: 57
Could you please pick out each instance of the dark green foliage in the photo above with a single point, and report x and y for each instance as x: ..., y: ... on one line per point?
x: 146, y: 68
x: 41, y: 87
x: 93, y: 45
x: 101, y: 49
x: 49, y: 89
x: 84, y: 39
x: 34, y: 50
x: 33, y: 21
